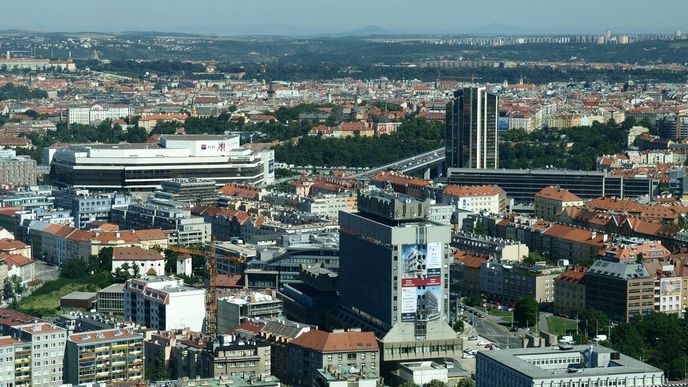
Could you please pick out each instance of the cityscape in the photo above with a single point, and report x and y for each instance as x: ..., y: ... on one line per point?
x: 363, y: 196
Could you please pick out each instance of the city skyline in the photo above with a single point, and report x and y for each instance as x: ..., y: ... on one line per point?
x: 309, y: 17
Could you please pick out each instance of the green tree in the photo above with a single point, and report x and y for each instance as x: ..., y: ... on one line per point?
x: 526, y: 311
x: 436, y: 383
x: 466, y: 383
x: 473, y: 301
x: 458, y: 326
x: 592, y: 322
x: 73, y: 268
x: 159, y: 369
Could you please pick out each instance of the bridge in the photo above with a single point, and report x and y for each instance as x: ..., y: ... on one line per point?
x: 427, y: 165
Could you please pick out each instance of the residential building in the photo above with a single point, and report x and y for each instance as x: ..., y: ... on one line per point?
x: 317, y: 350
x: 104, y: 356
x: 465, y: 273
x: 16, y: 171
x: 497, y: 248
x: 509, y: 282
x: 229, y: 356
x: 569, y: 291
x: 139, y: 261
x: 550, y: 201
x: 472, y: 139
x: 164, y: 303
x: 328, y: 206
x: 143, y: 167
x: 47, y: 351
x: 186, y: 229
x: 241, y: 305
x: 279, y: 334
x: 623, y: 290
x: 96, y: 113
x: 389, y: 249
x: 17, y: 362
x: 55, y: 243
x: 575, y: 365
x: 490, y: 199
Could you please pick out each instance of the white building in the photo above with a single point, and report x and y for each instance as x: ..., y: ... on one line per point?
x: 565, y: 365
x: 143, y: 167
x: 489, y: 198
x: 96, y: 113
x: 421, y: 373
x: 148, y: 262
x: 328, y: 206
x: 171, y: 304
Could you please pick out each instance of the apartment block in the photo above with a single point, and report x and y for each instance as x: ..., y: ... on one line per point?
x: 228, y: 356
x: 569, y: 291
x: 317, y: 350
x: 164, y: 303
x: 103, y: 357
x: 186, y: 228
x: 241, y: 305
x: 487, y: 198
x: 47, y: 351
x: 623, y: 290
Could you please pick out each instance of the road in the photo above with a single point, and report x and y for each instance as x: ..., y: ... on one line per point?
x: 496, y: 333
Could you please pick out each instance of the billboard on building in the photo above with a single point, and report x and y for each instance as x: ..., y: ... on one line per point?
x: 408, y: 304
x: 421, y: 281
x: 670, y: 286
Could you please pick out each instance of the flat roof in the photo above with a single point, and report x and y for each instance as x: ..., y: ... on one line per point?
x: 79, y: 296
x: 515, y: 359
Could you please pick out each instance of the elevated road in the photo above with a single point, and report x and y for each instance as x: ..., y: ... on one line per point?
x: 421, y: 161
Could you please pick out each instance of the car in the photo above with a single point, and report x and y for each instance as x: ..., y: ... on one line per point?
x: 467, y: 356
x: 468, y: 350
x: 483, y: 343
x: 472, y: 338
x: 489, y: 346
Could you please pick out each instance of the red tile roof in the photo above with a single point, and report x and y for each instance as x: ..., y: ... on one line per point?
x: 322, y: 341
x: 559, y: 194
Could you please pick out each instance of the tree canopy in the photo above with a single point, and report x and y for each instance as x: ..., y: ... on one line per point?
x: 11, y: 91
x: 526, y: 311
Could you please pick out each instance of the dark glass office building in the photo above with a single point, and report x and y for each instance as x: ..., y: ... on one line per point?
x: 471, y: 132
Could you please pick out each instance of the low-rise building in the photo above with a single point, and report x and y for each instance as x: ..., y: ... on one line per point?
x: 317, y: 350
x: 502, y: 250
x: 550, y: 201
x: 241, y: 305
x: 228, y: 356
x: 186, y: 228
x: 104, y: 356
x: 564, y: 365
x: 488, y: 198
x: 139, y: 261
x: 111, y: 299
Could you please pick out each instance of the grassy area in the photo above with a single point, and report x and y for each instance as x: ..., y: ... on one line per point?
x: 45, y: 300
x: 504, y: 314
x: 560, y: 326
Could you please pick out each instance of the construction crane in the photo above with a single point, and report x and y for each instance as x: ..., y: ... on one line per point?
x: 211, y: 291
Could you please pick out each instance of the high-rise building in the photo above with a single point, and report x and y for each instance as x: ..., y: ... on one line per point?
x: 394, y: 276
x: 471, y: 137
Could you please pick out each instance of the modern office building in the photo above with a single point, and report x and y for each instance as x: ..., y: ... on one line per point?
x: 187, y: 191
x: 111, y: 299
x: 522, y: 184
x: 87, y: 207
x: 472, y: 138
x: 164, y: 303
x: 394, y: 276
x: 143, y: 167
x: 573, y: 365
x: 187, y: 229
x: 104, y: 356
x: 623, y: 290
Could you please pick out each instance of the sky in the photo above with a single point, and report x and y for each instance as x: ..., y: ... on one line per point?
x: 303, y: 17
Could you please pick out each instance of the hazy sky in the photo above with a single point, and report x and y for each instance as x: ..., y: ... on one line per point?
x: 328, y: 16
